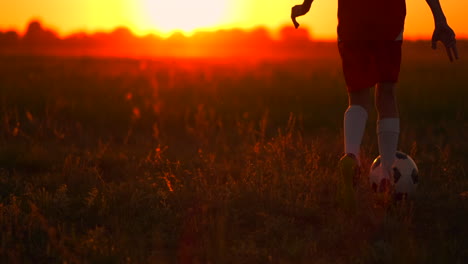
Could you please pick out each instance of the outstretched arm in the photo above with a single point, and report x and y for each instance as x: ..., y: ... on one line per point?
x: 442, y: 31
x: 300, y: 10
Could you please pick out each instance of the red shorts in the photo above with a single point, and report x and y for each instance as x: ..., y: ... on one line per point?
x: 368, y: 62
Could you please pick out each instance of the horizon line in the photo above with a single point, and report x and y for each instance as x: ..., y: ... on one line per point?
x: 272, y: 33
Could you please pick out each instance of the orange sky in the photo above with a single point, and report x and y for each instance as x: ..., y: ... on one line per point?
x: 165, y: 16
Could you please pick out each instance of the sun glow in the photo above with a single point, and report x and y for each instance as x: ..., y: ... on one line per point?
x: 164, y: 17
x: 182, y: 15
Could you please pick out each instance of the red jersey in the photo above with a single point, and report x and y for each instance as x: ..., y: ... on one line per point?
x: 370, y: 19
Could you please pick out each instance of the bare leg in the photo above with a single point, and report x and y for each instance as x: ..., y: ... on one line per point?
x: 385, y: 101
x: 361, y: 98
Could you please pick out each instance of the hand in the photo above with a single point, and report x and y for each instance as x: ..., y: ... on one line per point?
x: 298, y: 10
x: 445, y: 34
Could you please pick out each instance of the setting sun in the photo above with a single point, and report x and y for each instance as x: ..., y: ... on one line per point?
x: 165, y: 17
x: 182, y: 15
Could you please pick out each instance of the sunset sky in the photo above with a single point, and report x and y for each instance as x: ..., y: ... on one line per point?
x: 166, y: 16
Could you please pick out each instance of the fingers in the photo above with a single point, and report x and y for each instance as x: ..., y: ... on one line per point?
x: 449, y: 42
x: 449, y: 53
x: 451, y: 48
x: 295, y: 12
x: 447, y: 37
x: 455, y: 51
x: 296, y: 25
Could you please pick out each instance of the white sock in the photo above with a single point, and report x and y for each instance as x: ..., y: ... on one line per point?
x: 388, y: 131
x: 355, y: 119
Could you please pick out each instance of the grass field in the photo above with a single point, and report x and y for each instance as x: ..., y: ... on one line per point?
x: 220, y: 161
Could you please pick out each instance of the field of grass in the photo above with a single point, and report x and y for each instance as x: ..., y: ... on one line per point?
x: 220, y: 161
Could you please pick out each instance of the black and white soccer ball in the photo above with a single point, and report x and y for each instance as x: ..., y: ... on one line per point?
x: 404, y: 176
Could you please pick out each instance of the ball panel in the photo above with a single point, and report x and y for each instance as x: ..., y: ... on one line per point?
x: 396, y: 174
x: 401, y: 155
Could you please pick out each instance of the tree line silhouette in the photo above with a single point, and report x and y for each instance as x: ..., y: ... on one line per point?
x: 121, y: 41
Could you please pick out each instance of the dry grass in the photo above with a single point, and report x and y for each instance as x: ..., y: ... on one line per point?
x: 151, y: 161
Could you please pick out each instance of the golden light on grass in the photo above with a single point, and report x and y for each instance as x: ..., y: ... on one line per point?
x: 240, y: 166
x: 136, y: 113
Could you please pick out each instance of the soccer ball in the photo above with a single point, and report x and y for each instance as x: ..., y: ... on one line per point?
x: 404, y: 178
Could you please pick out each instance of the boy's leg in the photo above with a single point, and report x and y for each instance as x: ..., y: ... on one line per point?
x: 355, y: 119
x: 388, y: 124
x: 385, y: 101
x: 360, y: 74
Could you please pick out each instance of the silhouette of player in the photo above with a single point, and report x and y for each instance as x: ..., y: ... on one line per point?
x: 370, y: 35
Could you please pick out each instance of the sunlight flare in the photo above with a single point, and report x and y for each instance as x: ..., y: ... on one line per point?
x: 183, y: 15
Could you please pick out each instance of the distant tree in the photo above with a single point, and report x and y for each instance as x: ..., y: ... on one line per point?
x: 37, y: 35
x: 122, y: 33
x: 290, y: 34
x: 260, y: 35
x: 177, y: 37
x: 9, y: 38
